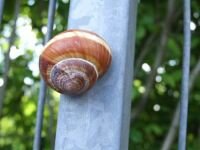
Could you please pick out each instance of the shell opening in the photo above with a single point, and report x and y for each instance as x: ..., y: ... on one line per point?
x: 73, y: 75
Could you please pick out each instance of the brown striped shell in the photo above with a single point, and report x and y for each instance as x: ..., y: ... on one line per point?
x: 72, y: 61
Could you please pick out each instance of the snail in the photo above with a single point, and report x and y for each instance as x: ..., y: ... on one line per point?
x: 72, y: 61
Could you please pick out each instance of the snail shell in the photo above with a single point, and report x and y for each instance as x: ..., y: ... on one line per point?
x: 72, y: 61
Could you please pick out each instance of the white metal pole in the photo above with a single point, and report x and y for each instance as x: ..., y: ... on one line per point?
x: 99, y: 119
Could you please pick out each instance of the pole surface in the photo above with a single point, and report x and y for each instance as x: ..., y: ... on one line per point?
x: 185, y: 77
x: 99, y: 119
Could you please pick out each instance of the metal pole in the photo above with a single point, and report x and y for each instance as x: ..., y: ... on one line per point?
x: 185, y: 78
x: 1, y: 10
x: 6, y: 66
x: 99, y: 119
x: 43, y: 88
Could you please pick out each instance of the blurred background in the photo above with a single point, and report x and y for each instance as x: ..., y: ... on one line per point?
x: 155, y: 86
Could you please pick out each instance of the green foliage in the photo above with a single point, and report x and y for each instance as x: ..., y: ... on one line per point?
x: 148, y: 131
x: 17, y: 123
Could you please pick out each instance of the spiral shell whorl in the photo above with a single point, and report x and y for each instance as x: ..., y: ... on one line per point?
x: 72, y: 61
x: 73, y: 76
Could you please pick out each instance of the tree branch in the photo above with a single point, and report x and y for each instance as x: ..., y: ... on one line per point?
x: 159, y: 57
x: 144, y: 51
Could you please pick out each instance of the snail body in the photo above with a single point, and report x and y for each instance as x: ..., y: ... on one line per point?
x: 72, y: 61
